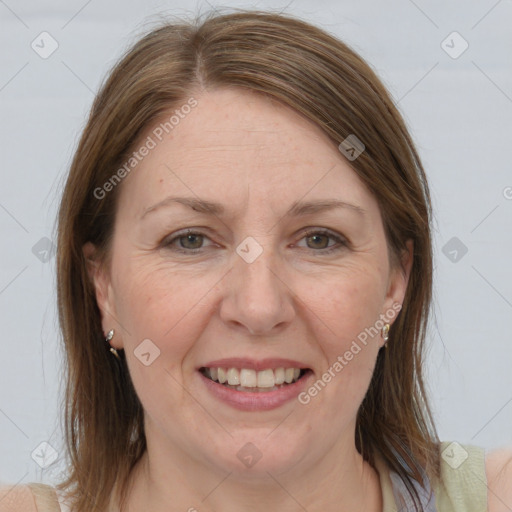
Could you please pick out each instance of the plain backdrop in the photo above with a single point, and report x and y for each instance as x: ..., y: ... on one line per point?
x: 457, y: 102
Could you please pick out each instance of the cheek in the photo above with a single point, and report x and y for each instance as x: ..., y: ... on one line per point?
x: 168, y: 308
x: 345, y: 309
x: 163, y: 305
x: 346, y: 302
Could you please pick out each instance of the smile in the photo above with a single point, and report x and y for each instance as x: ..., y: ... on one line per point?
x: 259, y: 388
x: 249, y: 380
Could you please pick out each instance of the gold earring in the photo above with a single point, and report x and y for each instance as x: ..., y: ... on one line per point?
x: 110, y: 335
x: 385, y: 334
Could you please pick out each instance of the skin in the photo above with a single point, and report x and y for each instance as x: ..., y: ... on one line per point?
x: 255, y: 157
x: 498, y: 467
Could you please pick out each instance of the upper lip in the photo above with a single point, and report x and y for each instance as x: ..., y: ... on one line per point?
x: 253, y: 364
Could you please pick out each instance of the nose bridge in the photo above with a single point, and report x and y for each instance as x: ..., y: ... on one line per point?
x: 259, y: 276
x: 257, y: 297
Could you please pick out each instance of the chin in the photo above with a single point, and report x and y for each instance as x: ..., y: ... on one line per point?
x: 251, y: 455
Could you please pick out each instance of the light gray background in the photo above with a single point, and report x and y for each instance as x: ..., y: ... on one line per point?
x: 459, y: 112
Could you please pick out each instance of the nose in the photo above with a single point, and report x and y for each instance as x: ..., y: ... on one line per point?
x: 257, y: 297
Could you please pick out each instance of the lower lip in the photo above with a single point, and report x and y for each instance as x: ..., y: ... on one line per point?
x: 257, y: 401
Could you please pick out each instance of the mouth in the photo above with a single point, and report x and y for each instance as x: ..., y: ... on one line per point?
x: 249, y: 384
x: 249, y: 380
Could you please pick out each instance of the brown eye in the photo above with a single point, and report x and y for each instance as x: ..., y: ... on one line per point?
x: 187, y: 242
x: 318, y: 241
x: 323, y: 242
x: 191, y: 241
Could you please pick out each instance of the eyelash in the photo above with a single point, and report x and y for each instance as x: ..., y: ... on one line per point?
x: 342, y: 243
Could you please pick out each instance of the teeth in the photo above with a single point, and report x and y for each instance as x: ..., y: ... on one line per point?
x: 247, y: 378
x: 233, y: 377
x: 221, y: 375
x: 279, y: 375
x: 266, y: 379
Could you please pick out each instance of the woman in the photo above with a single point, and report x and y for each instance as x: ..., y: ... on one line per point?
x: 244, y: 282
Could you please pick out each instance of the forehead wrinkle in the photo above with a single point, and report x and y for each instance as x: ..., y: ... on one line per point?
x: 223, y: 147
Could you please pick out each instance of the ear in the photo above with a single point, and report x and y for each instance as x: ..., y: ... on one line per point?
x: 101, y: 282
x: 399, y: 279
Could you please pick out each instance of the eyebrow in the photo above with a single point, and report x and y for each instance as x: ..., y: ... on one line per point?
x: 297, y: 209
x: 300, y: 208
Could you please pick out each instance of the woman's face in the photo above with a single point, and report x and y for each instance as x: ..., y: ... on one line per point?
x: 273, y: 275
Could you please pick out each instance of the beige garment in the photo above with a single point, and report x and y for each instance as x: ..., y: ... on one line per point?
x: 463, y: 486
x: 463, y: 483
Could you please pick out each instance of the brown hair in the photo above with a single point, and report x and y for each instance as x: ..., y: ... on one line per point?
x: 318, y: 76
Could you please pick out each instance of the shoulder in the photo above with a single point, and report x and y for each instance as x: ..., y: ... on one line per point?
x: 462, y: 485
x: 32, y: 497
x: 498, y: 468
x: 17, y: 498
x: 473, y: 479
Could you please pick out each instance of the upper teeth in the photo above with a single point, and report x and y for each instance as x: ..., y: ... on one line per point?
x: 251, y: 378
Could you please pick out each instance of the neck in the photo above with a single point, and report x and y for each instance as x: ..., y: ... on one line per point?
x: 339, y: 481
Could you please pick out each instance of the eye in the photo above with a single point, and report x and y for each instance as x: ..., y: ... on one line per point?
x: 191, y: 242
x: 188, y: 242
x: 320, y: 241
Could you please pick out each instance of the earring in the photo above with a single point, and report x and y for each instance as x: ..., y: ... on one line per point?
x: 110, y: 335
x: 385, y: 334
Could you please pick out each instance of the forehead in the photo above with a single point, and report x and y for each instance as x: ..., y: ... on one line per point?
x: 238, y: 147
